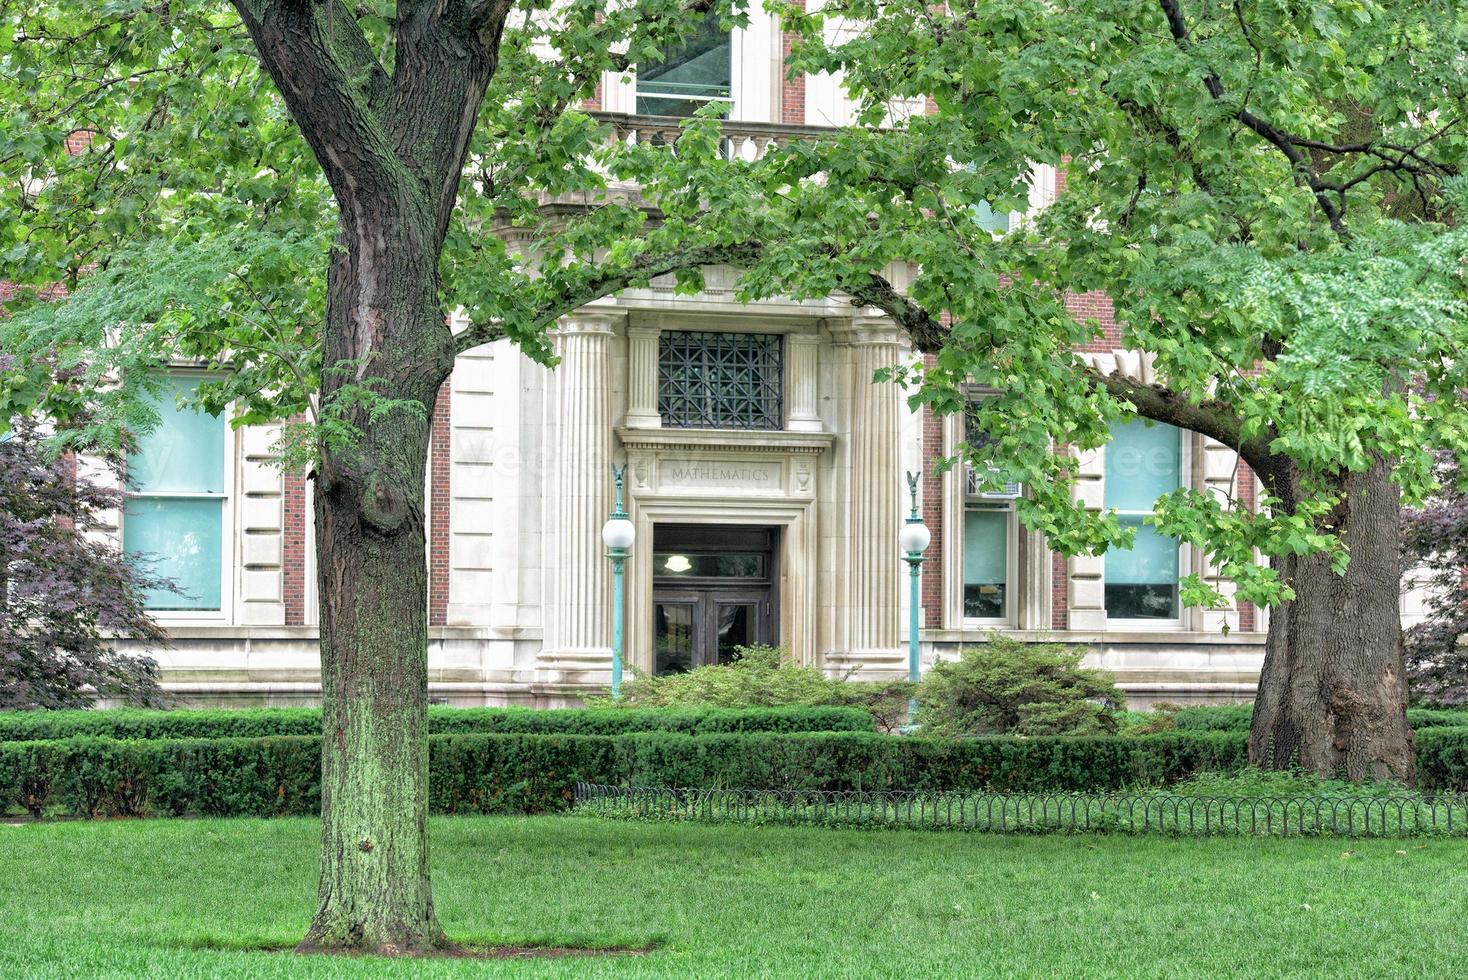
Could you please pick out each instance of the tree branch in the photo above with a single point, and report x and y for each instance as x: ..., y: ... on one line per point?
x: 316, y: 53
x: 611, y: 281
x: 1278, y: 138
x: 1215, y: 419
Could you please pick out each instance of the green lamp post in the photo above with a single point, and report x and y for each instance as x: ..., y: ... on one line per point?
x: 617, y: 534
x: 913, y: 540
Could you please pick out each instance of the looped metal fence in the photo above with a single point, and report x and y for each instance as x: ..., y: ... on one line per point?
x: 1395, y: 815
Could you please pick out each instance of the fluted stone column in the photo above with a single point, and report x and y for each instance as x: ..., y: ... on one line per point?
x: 577, y: 643
x: 874, y: 573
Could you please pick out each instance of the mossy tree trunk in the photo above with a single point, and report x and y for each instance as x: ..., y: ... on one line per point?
x: 370, y: 520
x: 393, y: 148
x: 1333, y: 692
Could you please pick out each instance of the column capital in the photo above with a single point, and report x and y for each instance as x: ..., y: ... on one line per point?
x: 642, y: 330
x: 867, y: 328
x: 589, y: 322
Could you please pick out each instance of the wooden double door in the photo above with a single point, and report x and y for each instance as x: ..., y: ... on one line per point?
x: 713, y: 591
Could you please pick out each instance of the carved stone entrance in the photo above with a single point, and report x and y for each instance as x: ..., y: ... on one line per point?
x: 713, y: 483
x: 713, y: 592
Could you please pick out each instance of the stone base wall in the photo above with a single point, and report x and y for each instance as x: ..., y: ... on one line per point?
x: 277, y: 666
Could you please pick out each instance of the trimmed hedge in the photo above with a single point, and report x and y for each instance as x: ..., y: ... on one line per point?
x: 520, y: 773
x: 1442, y: 758
x: 1236, y: 718
x: 498, y: 773
x: 125, y: 723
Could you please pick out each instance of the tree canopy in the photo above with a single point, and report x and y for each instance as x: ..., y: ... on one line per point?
x: 1265, y: 191
x: 154, y: 172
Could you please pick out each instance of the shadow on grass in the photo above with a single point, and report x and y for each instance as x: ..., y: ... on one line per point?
x: 550, y: 949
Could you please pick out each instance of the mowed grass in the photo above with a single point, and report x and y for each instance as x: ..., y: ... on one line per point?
x: 199, y: 898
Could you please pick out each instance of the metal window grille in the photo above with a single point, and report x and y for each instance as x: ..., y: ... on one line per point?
x: 720, y: 380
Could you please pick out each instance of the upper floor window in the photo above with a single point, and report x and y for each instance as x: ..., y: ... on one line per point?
x: 1143, y: 462
x: 688, y: 76
x: 989, y: 531
x: 989, y: 220
x: 174, y: 515
x: 720, y: 380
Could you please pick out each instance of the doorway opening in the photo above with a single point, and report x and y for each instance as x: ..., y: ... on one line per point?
x: 714, y: 589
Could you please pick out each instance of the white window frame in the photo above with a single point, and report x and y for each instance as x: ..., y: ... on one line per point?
x: 224, y: 615
x: 754, y: 66
x: 1184, y: 553
x: 955, y: 490
x: 1011, y: 562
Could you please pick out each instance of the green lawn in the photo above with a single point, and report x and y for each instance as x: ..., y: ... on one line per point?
x: 140, y: 898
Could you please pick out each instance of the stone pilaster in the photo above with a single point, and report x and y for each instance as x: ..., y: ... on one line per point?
x: 1215, y: 470
x: 642, y: 369
x: 577, y: 645
x: 874, y: 574
x: 801, y: 379
x: 1086, y: 597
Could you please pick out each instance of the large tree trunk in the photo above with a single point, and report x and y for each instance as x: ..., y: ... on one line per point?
x: 1333, y: 692
x: 374, y: 891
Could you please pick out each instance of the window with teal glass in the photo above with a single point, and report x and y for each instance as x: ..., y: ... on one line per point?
x: 690, y: 75
x: 988, y: 220
x: 173, y: 522
x: 986, y: 563
x: 1143, y: 462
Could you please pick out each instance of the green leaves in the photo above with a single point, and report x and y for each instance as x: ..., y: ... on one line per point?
x: 1257, y: 193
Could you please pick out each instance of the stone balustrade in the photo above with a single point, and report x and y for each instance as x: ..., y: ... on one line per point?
x: 742, y: 140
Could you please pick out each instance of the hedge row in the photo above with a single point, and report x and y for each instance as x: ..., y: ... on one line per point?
x: 123, y: 723
x: 499, y: 773
x: 516, y: 773
x: 1236, y: 718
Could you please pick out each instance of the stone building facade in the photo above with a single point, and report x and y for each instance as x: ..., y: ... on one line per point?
x: 765, y: 477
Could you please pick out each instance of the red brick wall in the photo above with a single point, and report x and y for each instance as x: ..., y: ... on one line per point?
x: 1059, y: 592
x: 1248, y: 619
x: 792, y: 91
x: 438, y: 531
x: 1096, y: 306
x: 932, y: 487
x: 294, y: 545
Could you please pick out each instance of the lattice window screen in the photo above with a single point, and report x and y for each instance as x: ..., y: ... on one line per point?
x: 720, y: 380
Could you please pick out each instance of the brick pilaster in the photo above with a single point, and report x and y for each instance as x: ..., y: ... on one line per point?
x: 792, y: 90
x: 439, y: 459
x: 932, y: 582
x: 293, y: 547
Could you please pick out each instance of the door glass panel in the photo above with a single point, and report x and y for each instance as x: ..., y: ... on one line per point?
x: 734, y: 628
x: 709, y: 566
x: 672, y: 637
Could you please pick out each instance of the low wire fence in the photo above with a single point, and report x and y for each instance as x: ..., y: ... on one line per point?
x: 1393, y: 815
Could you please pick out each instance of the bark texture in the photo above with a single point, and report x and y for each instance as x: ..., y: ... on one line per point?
x: 393, y: 149
x: 1333, y: 692
x: 374, y: 891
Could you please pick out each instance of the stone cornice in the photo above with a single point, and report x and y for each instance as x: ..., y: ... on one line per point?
x: 728, y: 441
